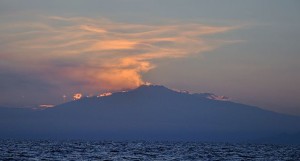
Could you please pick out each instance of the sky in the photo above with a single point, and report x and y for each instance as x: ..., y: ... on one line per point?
x: 245, y: 50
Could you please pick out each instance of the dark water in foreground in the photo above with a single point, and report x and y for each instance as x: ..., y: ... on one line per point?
x: 97, y: 150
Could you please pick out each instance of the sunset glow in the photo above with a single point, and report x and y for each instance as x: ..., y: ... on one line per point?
x: 77, y: 96
x: 113, y: 45
x: 54, y: 48
x: 112, y: 55
x: 105, y: 94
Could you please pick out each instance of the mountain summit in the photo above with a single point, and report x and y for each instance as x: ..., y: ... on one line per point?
x: 150, y: 113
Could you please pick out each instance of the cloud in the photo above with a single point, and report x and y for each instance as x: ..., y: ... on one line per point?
x: 113, y: 45
x: 99, y: 54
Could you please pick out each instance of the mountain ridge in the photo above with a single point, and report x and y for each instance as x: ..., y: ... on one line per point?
x: 151, y: 113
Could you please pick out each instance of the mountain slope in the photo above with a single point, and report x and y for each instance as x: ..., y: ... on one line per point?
x: 154, y: 113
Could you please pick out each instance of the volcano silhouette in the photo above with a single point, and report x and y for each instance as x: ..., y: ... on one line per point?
x: 150, y: 113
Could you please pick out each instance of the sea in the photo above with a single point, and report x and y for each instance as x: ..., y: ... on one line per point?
x: 143, y: 150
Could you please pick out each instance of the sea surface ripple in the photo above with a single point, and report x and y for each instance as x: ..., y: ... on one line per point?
x: 142, y: 150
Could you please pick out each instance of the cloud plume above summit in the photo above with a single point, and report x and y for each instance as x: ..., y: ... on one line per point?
x: 98, y: 54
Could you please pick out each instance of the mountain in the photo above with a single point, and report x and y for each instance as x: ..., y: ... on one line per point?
x: 150, y: 113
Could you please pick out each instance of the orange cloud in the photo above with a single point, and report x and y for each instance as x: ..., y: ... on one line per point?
x: 92, y: 29
x: 112, y: 45
x: 100, y: 54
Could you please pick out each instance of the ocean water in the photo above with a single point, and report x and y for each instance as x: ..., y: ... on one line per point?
x: 141, y: 150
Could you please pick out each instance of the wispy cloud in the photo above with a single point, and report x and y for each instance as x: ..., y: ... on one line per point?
x: 99, y: 54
